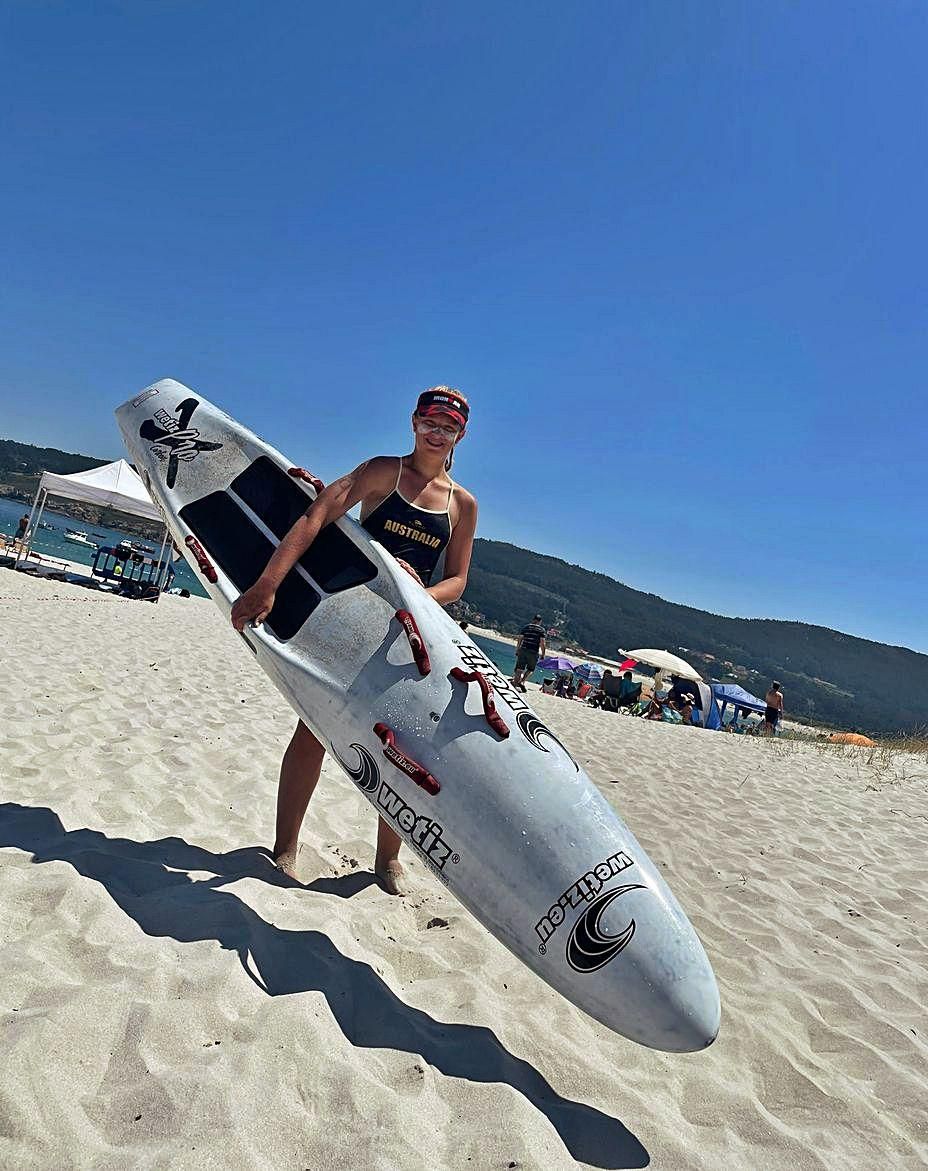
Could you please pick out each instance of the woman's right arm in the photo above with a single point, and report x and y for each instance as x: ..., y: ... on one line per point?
x: 332, y: 503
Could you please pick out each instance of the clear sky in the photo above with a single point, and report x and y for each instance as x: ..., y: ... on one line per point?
x: 675, y: 254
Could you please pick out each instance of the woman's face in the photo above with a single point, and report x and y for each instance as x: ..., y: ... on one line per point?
x: 436, y: 433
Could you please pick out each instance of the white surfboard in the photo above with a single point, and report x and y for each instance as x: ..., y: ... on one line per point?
x: 429, y: 731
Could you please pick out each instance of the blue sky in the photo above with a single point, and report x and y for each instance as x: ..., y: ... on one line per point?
x: 674, y: 253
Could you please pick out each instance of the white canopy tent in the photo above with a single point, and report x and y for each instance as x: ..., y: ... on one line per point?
x: 115, y: 485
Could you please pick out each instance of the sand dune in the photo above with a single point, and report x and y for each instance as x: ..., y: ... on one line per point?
x: 170, y: 1000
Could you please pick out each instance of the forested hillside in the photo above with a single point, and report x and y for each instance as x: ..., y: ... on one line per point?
x: 827, y: 676
x: 22, y: 459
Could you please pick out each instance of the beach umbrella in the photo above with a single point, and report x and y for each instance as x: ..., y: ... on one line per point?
x: 556, y: 663
x: 665, y: 661
x: 589, y: 671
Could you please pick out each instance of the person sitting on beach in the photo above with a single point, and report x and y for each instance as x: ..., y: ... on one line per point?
x: 685, y: 706
x: 629, y: 690
x: 677, y: 691
x: 598, y: 694
x: 774, y: 710
x: 395, y: 494
x: 654, y: 710
x: 547, y: 687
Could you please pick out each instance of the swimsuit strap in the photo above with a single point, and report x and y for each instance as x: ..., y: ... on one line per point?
x: 399, y: 476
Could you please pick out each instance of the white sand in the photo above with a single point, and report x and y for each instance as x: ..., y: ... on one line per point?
x: 139, y: 751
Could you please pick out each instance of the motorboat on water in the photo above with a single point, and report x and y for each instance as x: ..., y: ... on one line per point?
x: 78, y: 538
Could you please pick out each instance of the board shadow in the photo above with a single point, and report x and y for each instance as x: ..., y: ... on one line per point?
x: 166, y: 903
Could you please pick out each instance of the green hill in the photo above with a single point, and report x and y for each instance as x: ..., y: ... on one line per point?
x: 22, y: 459
x: 827, y: 676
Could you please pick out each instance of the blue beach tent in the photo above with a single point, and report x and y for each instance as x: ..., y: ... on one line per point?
x: 726, y: 693
x: 705, y: 709
x: 707, y: 713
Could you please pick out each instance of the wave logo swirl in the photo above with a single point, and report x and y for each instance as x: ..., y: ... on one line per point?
x: 588, y: 948
x: 533, y: 729
x: 365, y: 773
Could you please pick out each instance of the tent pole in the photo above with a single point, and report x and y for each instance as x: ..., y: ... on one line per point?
x: 162, y: 568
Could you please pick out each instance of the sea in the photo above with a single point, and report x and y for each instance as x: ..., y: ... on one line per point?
x: 51, y: 542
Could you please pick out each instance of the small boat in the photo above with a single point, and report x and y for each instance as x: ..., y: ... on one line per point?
x: 79, y: 538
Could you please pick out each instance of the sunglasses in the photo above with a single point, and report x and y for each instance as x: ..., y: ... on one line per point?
x: 425, y: 427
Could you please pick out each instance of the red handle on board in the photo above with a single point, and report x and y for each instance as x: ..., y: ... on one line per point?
x: 416, y: 641
x: 302, y: 474
x: 206, y: 566
x: 415, y: 771
x: 494, y: 719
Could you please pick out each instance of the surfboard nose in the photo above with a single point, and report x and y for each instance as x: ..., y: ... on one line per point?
x: 692, y: 1013
x: 657, y: 987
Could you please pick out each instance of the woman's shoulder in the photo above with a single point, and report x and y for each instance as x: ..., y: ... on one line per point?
x: 378, y: 469
x: 464, y: 497
x: 465, y: 504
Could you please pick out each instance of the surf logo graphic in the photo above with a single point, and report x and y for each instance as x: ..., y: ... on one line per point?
x: 425, y: 835
x: 365, y: 774
x: 533, y: 729
x: 529, y: 724
x: 589, y: 948
x: 173, y: 439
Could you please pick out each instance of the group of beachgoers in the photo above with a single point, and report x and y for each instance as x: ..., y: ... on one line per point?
x: 675, y: 704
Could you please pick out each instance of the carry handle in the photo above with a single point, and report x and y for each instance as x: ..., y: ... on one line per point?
x: 415, y: 771
x: 308, y: 477
x: 494, y: 719
x: 416, y: 641
x: 206, y: 566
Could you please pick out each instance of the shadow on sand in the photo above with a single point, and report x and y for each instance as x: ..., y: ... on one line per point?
x: 164, y: 902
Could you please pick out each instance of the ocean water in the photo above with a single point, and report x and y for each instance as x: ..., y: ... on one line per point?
x: 51, y: 541
x: 500, y: 653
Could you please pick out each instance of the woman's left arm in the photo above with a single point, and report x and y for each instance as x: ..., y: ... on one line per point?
x: 458, y: 553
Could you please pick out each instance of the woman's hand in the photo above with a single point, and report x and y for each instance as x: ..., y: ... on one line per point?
x: 253, y: 606
x: 409, y: 569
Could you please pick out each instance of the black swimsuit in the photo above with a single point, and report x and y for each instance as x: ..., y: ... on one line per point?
x: 415, y: 535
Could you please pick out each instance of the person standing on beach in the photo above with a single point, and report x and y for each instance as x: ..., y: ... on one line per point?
x: 23, y: 526
x: 414, y: 509
x: 774, y: 710
x: 530, y: 646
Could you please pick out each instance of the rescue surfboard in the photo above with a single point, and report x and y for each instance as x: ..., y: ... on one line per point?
x: 429, y: 730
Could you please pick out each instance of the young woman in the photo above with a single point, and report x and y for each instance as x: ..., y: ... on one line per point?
x: 414, y: 509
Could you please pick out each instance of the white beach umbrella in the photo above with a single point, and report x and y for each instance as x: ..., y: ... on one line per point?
x: 666, y: 662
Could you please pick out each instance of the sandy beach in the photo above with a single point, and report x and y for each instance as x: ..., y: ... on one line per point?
x: 171, y: 1001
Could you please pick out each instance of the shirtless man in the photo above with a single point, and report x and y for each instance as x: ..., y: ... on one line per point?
x: 774, y: 713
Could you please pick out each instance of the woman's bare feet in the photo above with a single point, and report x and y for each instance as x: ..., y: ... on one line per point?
x: 285, y: 862
x: 392, y: 876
